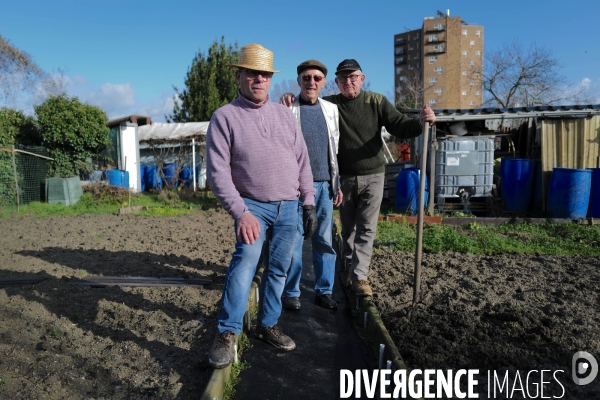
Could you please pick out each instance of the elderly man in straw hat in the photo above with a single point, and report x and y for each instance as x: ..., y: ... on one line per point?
x: 258, y: 168
x: 319, y: 122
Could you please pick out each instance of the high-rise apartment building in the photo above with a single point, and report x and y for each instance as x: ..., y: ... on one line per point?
x: 440, y: 61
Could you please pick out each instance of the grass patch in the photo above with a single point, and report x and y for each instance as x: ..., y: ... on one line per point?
x: 236, y: 369
x: 102, y: 199
x: 509, y: 238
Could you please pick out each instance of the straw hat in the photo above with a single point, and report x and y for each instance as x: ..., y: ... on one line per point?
x: 254, y: 56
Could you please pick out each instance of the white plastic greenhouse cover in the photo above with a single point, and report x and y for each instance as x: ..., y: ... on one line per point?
x: 172, y: 131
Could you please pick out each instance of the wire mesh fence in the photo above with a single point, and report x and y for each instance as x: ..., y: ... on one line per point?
x: 23, y: 171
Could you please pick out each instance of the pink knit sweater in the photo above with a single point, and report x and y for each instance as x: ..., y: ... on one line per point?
x: 257, y: 151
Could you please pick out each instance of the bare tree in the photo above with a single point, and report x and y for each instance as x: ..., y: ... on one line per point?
x: 279, y: 89
x: 516, y: 75
x: 19, y: 75
x: 410, y: 92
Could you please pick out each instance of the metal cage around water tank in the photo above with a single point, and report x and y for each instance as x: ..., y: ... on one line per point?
x: 464, y: 167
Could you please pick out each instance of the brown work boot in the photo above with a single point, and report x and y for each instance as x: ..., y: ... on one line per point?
x: 221, y: 353
x: 275, y: 337
x: 362, y: 288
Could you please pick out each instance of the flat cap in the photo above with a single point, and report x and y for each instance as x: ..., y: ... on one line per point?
x: 312, y: 64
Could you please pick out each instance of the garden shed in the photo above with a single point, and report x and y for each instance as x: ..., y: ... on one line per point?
x: 556, y: 136
x: 180, y: 146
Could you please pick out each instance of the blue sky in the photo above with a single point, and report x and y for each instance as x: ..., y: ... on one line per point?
x: 125, y: 56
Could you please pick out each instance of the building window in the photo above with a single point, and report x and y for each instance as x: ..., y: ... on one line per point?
x: 416, y: 57
x: 399, y: 70
x: 472, y: 103
x: 472, y: 43
x: 432, y: 101
x: 400, y: 50
x: 478, y: 53
x: 417, y: 36
x: 438, y: 48
x: 433, y: 38
x: 410, y: 48
x: 478, y: 33
x: 464, y: 93
x: 471, y: 83
x: 464, y: 73
x: 399, y: 60
x: 440, y: 27
x: 465, y: 53
x: 432, y: 81
x: 410, y: 67
x: 472, y: 63
x: 465, y: 32
x: 478, y: 93
x: 418, y: 66
x: 402, y: 79
x: 438, y: 70
x: 432, y: 59
x: 437, y: 91
x: 399, y: 40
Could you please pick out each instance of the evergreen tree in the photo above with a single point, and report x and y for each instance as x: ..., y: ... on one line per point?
x: 209, y: 84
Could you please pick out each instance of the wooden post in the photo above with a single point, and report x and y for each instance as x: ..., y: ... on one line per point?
x: 421, y: 204
x: 432, y: 158
x: 14, y: 164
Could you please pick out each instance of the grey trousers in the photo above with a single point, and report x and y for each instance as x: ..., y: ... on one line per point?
x: 359, y: 212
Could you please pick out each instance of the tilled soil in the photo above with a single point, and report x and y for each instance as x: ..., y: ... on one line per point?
x: 59, y: 340
x: 510, y: 314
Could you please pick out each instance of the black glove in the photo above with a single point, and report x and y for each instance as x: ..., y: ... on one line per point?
x: 309, y: 220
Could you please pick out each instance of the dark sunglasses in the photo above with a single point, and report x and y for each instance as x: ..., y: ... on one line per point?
x: 317, y: 78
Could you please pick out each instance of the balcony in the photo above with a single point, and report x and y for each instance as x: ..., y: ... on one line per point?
x: 435, y: 50
x: 436, y: 28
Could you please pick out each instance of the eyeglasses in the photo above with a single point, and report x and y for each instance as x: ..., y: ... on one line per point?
x: 344, y: 78
x: 253, y: 74
x: 317, y: 78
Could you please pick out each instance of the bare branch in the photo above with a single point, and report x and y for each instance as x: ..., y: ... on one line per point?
x: 516, y: 75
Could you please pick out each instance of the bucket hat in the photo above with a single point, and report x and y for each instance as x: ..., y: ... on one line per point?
x: 254, y: 56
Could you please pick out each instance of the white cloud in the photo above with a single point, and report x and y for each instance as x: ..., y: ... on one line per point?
x: 593, y: 88
x: 157, y: 108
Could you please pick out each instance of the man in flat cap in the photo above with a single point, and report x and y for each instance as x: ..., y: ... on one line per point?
x: 319, y: 122
x: 362, y: 163
x: 258, y: 168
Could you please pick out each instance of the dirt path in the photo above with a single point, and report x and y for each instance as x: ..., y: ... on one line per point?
x: 59, y: 340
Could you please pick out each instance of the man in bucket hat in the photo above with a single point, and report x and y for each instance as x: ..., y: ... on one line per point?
x: 319, y: 122
x: 257, y: 167
x: 362, y: 163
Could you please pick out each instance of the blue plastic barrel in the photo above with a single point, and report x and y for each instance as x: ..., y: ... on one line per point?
x: 116, y: 177
x: 516, y: 186
x: 186, y: 176
x: 152, y: 178
x: 407, y: 186
x: 142, y: 177
x: 594, y: 206
x: 569, y: 193
x: 169, y: 172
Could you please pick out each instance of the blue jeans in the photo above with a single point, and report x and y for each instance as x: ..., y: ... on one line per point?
x: 280, y: 220
x: 323, y: 254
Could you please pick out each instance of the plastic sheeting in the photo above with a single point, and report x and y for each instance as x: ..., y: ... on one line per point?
x: 172, y: 131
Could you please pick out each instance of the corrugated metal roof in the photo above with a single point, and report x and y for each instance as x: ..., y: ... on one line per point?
x: 579, y: 110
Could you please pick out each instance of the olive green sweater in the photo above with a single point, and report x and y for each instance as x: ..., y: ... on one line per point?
x: 360, y: 149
